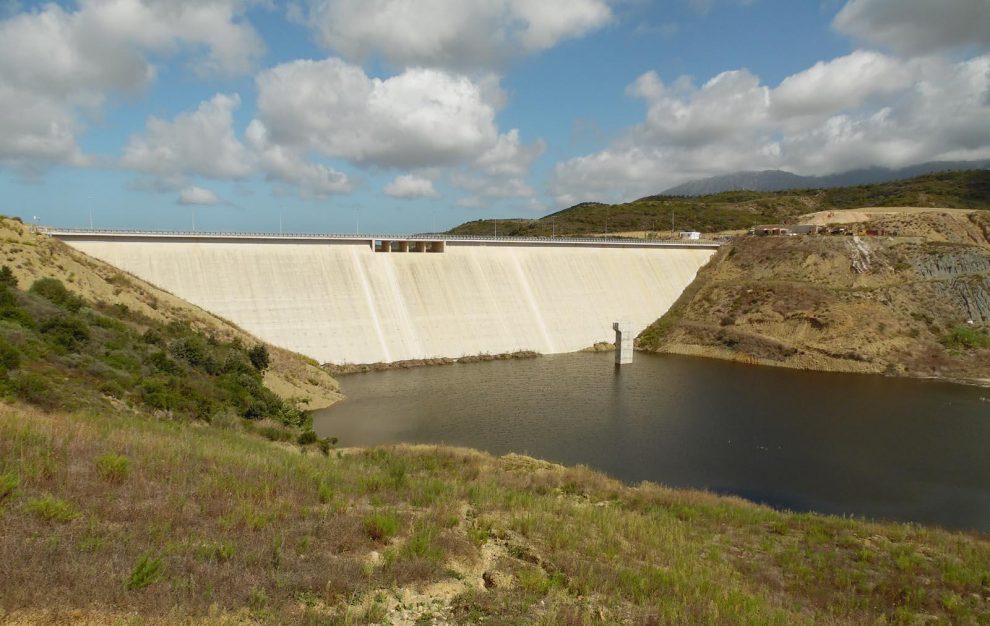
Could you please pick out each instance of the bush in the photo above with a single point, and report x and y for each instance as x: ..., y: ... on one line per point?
x: 113, y: 468
x: 10, y: 357
x: 273, y: 433
x: 161, y: 362
x: 7, y: 297
x: 35, y: 389
x: 66, y: 332
x: 8, y: 485
x: 195, y: 351
x: 307, y: 437
x: 55, y: 292
x: 52, y: 509
x: 147, y: 571
x: 18, y: 316
x: 259, y: 357
x: 381, y: 526
x: 325, y: 444
x: 7, y: 278
x: 964, y: 337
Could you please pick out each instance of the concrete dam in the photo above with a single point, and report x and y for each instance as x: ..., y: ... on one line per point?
x: 366, y: 299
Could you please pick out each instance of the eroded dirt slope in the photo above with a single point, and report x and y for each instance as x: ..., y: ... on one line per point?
x: 888, y: 303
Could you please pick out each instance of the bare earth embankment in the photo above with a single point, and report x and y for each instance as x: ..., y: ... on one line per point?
x: 912, y: 300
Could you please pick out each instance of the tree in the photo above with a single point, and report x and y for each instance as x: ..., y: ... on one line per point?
x: 259, y: 357
x: 7, y: 277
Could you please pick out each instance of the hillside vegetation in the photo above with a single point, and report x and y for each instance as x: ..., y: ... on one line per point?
x: 112, y: 517
x: 738, y: 210
x: 915, y: 304
x: 31, y: 257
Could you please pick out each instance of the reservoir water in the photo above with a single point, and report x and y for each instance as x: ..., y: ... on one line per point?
x: 868, y: 446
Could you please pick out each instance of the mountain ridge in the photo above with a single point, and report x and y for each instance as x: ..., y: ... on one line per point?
x: 781, y: 180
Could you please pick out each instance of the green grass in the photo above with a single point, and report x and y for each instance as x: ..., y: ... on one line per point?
x: 52, y: 509
x: 147, y: 571
x: 113, y: 468
x: 212, y: 521
x: 964, y: 337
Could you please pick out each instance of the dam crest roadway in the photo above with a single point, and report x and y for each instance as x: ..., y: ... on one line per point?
x: 383, y: 298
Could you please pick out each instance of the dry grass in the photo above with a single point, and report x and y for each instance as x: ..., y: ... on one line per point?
x: 877, y: 304
x: 209, y: 525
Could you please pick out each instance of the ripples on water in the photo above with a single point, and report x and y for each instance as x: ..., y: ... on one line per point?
x: 836, y: 443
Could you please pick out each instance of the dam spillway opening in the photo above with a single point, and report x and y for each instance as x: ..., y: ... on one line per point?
x: 362, y: 299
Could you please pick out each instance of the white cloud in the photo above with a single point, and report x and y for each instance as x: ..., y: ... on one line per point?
x: 419, y: 118
x: 917, y: 26
x: 493, y: 188
x: 57, y: 63
x: 203, y: 143
x: 199, y: 143
x: 462, y: 34
x: 411, y: 186
x: 34, y: 131
x: 844, y: 82
x: 860, y: 110
x: 284, y: 164
x: 509, y: 156
x: 198, y: 195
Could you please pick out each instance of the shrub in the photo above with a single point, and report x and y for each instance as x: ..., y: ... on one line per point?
x: 259, y: 357
x: 964, y: 337
x: 195, y: 351
x: 66, y: 332
x: 273, y: 433
x: 18, y: 316
x: 113, y: 468
x: 55, y: 292
x: 325, y: 444
x: 52, y: 509
x: 381, y: 526
x: 7, y: 297
x: 8, y: 485
x: 147, y: 571
x: 153, y: 337
x: 35, y: 389
x: 7, y: 278
x: 10, y: 357
x: 161, y: 362
x: 307, y: 437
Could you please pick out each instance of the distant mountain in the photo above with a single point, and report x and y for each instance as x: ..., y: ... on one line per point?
x: 779, y: 180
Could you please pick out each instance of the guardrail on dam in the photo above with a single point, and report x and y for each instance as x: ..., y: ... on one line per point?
x: 383, y: 298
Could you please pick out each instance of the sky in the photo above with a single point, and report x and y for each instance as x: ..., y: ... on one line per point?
x: 406, y: 116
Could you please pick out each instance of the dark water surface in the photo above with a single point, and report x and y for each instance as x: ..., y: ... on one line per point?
x: 868, y: 446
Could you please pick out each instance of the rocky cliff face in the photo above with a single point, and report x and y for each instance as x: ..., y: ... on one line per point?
x: 846, y: 303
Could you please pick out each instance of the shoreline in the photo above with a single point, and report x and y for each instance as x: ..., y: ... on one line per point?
x: 709, y: 352
x: 335, y: 369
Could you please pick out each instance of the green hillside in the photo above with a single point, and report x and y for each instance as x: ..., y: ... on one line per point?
x: 147, y: 477
x: 737, y: 210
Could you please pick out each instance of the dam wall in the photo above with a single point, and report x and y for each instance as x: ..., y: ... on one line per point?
x: 341, y: 301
